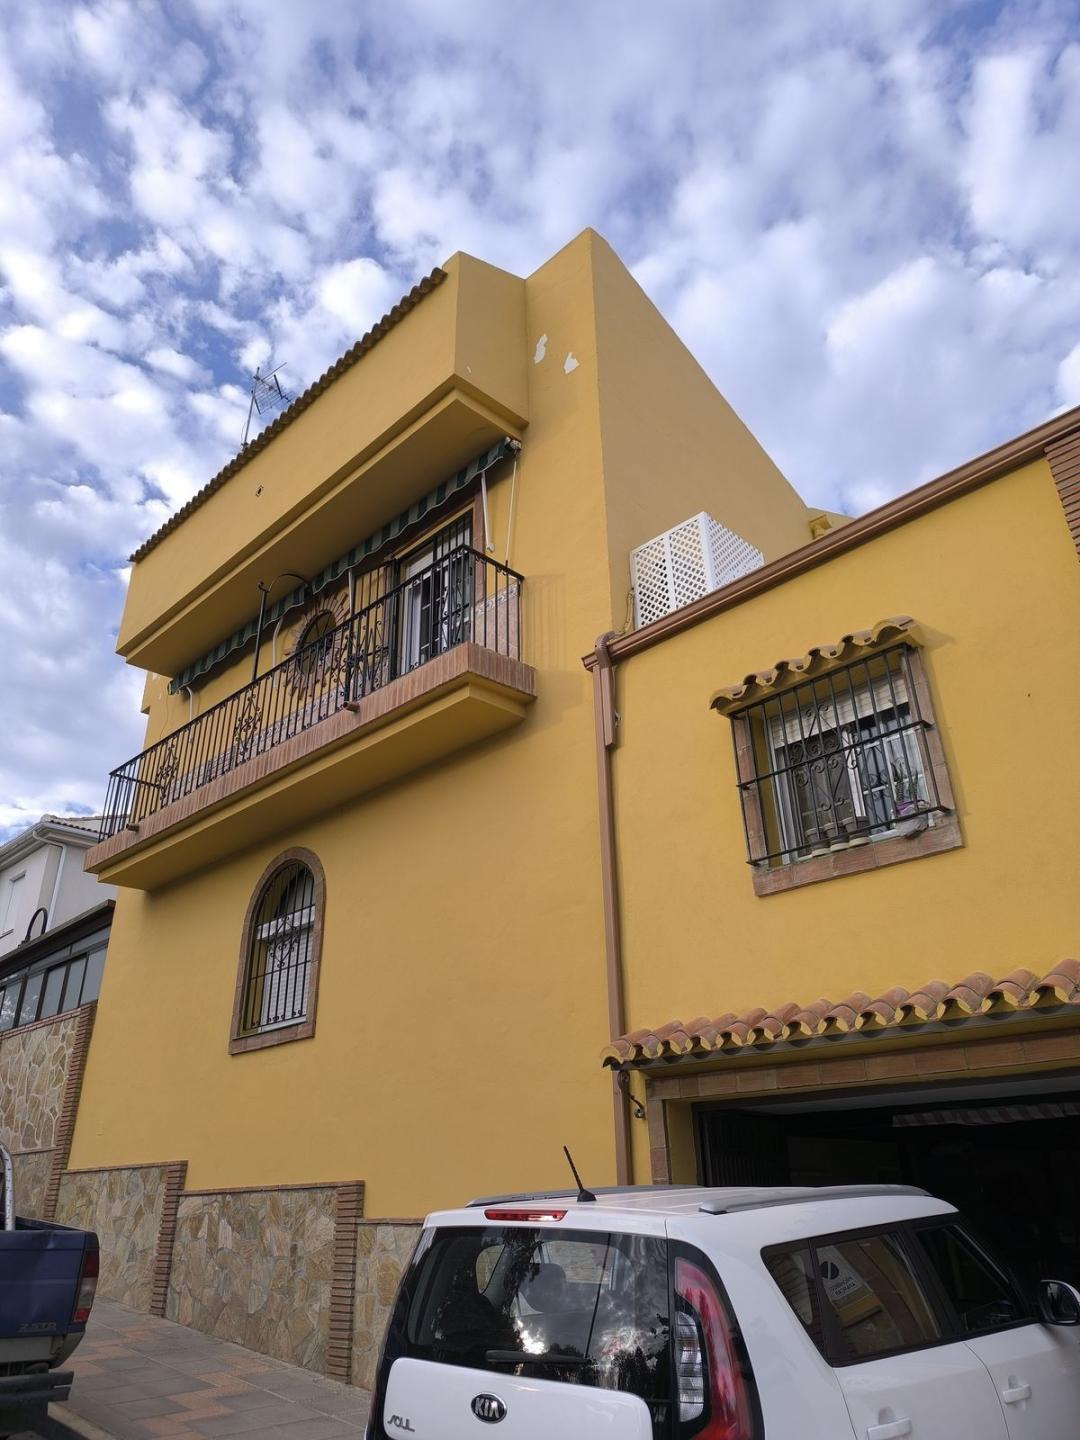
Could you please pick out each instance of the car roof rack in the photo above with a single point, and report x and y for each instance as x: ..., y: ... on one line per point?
x: 765, y: 1197
x: 571, y: 1193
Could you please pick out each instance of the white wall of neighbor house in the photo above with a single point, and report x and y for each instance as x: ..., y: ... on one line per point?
x: 77, y: 891
x: 25, y: 885
x: 49, y: 876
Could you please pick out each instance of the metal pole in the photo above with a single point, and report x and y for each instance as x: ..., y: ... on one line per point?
x: 9, y: 1189
x: 263, y: 591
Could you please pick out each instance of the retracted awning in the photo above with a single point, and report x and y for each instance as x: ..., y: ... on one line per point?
x: 369, y: 546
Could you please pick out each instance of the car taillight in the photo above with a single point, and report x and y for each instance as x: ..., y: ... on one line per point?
x: 88, y: 1278
x: 526, y: 1215
x: 714, y: 1389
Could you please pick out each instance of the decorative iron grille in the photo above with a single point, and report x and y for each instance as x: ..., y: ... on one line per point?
x: 279, y: 959
x: 460, y: 596
x: 834, y: 762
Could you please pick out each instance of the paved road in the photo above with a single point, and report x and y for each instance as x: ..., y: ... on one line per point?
x: 139, y: 1378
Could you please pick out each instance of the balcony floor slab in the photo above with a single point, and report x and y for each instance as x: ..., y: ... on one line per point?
x: 461, y: 697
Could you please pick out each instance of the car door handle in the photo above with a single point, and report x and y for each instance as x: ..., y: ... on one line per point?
x: 893, y: 1430
x: 1015, y: 1393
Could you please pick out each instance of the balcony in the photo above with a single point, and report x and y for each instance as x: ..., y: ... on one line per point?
x: 426, y: 668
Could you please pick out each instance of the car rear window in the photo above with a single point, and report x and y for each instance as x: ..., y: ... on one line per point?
x: 859, y: 1297
x: 577, y: 1306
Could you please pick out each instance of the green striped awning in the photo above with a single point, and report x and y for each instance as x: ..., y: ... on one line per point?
x: 367, y: 547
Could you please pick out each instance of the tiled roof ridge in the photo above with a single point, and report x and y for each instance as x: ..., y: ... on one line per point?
x: 895, y: 1010
x: 817, y: 658
x: 73, y: 822
x: 309, y: 396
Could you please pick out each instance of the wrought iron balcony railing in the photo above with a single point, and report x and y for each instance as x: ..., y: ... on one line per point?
x: 463, y: 596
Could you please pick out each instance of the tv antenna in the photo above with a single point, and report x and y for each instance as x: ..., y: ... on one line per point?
x: 267, y: 395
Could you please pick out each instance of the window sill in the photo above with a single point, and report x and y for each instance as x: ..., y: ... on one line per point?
x: 892, y: 849
x: 278, y: 1035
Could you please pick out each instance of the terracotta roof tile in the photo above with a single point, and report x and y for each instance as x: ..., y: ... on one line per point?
x: 299, y: 405
x: 761, y: 683
x: 895, y: 1010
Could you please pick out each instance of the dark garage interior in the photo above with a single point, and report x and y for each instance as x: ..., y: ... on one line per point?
x: 1006, y: 1154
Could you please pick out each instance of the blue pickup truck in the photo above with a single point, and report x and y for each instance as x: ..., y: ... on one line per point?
x: 48, y: 1275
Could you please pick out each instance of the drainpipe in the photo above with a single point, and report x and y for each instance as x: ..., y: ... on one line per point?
x: 606, y: 722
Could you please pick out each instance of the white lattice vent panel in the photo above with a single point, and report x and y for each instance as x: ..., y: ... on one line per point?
x: 685, y: 563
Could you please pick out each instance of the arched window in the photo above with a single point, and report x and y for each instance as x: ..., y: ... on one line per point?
x: 315, y: 648
x: 279, y: 962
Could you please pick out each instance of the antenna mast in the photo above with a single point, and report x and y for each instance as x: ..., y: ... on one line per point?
x: 267, y: 395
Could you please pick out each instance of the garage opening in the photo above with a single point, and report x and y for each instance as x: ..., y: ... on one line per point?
x: 1006, y: 1155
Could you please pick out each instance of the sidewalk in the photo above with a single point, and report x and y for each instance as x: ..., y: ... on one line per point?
x: 140, y: 1378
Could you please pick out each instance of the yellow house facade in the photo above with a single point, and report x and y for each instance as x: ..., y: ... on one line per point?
x: 358, y: 964
x: 409, y: 897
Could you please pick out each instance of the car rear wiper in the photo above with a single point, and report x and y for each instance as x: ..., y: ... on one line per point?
x: 522, y: 1357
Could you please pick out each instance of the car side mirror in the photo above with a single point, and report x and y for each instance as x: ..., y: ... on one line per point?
x: 1059, y: 1302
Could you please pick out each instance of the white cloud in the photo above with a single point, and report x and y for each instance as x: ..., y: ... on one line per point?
x: 858, y: 216
x: 180, y: 367
x: 1068, y: 378
x: 357, y: 293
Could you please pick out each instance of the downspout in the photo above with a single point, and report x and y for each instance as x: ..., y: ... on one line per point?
x: 56, y: 881
x: 606, y: 723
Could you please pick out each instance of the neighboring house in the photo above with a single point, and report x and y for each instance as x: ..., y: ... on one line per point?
x: 367, y: 942
x: 54, y: 920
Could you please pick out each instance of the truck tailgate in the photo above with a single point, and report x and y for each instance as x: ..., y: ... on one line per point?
x: 39, y: 1279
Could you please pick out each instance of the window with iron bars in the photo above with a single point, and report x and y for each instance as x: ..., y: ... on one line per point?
x: 836, y: 762
x: 278, y: 970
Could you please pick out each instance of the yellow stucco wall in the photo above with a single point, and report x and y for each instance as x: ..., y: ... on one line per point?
x: 994, y: 582
x: 461, y: 1003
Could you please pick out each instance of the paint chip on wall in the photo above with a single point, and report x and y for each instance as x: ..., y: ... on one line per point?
x: 569, y: 363
x: 541, y: 350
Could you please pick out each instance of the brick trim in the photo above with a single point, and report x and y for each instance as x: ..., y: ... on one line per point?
x: 943, y: 835
x: 1064, y: 461
x: 304, y: 1029
x: 112, y: 1169
x: 257, y: 1189
x: 175, y: 1174
x: 69, y: 1106
x: 17, y: 1030
x: 348, y: 1211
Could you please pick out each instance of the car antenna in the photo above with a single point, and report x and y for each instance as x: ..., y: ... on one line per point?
x: 582, y: 1193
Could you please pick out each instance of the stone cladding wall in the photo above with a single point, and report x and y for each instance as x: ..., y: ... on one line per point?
x: 383, y: 1249
x: 41, y: 1070
x: 126, y: 1207
x: 33, y: 1068
x: 255, y: 1267
x: 32, y: 1171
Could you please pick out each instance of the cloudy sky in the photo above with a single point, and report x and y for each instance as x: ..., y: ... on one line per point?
x: 860, y: 214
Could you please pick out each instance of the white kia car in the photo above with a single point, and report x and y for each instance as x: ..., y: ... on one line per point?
x: 693, y: 1314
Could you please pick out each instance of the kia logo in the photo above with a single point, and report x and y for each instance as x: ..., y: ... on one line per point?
x: 489, y: 1408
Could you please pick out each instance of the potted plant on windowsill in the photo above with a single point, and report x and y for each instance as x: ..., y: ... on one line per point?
x: 907, y: 803
x: 905, y: 794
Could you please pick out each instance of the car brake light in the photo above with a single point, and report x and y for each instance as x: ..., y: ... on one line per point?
x: 524, y: 1214
x: 88, y: 1278
x: 713, y: 1386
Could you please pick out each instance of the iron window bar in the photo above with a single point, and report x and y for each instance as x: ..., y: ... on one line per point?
x: 834, y: 762
x: 462, y: 595
x: 278, y: 964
